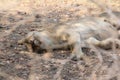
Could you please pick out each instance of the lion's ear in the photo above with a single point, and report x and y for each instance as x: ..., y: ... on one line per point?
x: 21, y: 42
x: 30, y: 39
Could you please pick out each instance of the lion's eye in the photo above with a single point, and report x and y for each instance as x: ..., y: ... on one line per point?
x: 37, y: 42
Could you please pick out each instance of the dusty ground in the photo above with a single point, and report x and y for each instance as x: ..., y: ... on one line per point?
x: 18, y: 64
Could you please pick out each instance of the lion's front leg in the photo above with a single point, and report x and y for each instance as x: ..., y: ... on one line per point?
x: 75, y: 40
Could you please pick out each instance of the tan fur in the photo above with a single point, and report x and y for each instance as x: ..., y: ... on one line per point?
x: 80, y: 32
x: 90, y: 30
x: 110, y: 20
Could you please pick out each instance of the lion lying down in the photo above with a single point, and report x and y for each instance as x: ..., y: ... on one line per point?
x: 87, y: 31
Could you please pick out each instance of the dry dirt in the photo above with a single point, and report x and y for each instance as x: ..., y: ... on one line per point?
x: 19, y: 18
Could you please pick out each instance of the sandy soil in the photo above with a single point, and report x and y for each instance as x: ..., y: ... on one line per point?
x: 19, y: 18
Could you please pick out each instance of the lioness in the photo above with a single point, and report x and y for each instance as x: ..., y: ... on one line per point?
x: 91, y: 30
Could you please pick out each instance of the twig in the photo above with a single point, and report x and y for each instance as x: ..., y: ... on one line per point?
x: 93, y: 75
x: 58, y: 73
